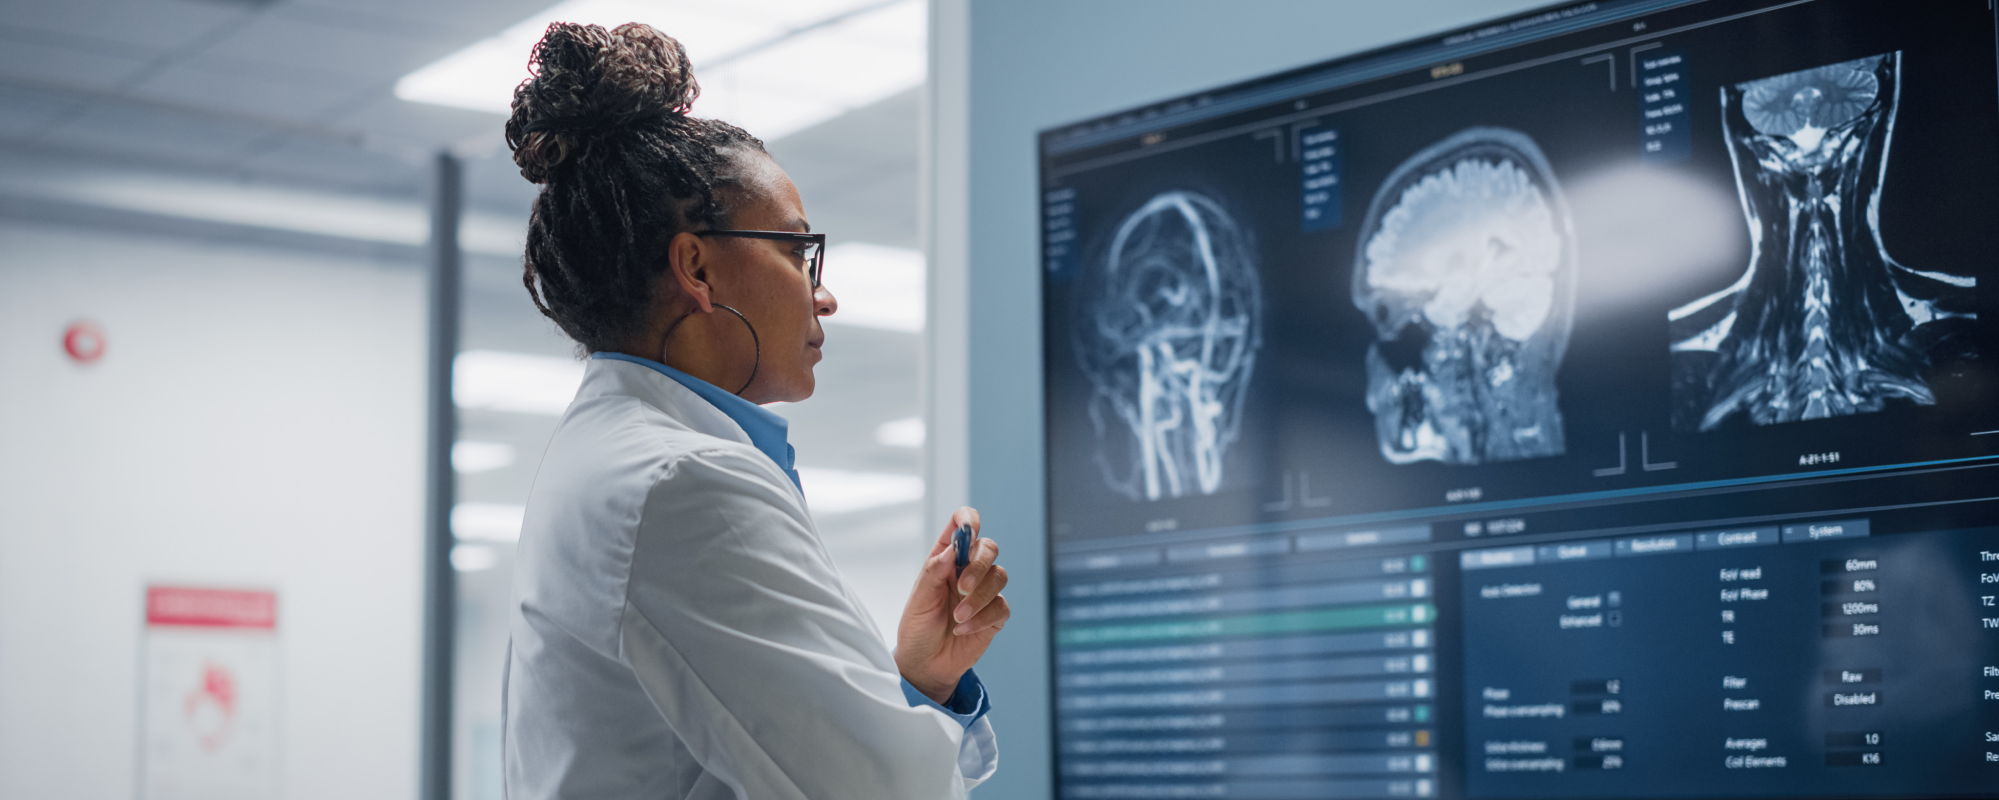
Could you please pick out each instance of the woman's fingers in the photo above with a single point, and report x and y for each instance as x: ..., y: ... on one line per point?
x: 929, y: 596
x: 993, y: 617
x: 984, y: 553
x: 987, y: 590
x: 965, y: 515
x: 940, y: 564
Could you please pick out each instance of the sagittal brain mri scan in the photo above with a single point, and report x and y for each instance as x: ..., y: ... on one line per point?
x: 1823, y: 323
x: 1594, y: 403
x: 1466, y: 271
x: 1168, y: 336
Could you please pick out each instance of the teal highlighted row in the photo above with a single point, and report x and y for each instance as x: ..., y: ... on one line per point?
x: 1253, y: 624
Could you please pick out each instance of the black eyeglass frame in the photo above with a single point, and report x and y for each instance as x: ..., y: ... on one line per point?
x: 814, y: 267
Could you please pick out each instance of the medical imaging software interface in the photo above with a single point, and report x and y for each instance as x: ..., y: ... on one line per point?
x: 1594, y: 403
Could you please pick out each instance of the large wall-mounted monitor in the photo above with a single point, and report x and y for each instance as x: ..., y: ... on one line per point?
x: 1595, y: 403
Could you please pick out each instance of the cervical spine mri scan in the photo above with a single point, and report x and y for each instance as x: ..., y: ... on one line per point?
x: 1467, y: 270
x: 1167, y: 330
x: 1823, y: 323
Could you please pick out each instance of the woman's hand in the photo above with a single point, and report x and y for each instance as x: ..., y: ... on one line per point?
x: 949, y: 620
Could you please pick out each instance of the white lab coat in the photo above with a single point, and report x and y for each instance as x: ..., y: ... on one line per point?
x: 679, y: 631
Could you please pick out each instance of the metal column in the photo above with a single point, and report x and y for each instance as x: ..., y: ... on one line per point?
x: 440, y: 585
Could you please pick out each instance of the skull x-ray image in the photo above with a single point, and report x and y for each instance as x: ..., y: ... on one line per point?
x: 1823, y: 323
x: 1466, y: 267
x: 1167, y: 329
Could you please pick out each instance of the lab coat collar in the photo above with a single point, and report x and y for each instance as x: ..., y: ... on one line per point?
x: 767, y: 432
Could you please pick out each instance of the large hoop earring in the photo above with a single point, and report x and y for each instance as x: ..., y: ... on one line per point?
x: 755, y: 341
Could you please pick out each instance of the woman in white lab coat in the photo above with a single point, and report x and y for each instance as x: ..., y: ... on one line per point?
x: 678, y: 629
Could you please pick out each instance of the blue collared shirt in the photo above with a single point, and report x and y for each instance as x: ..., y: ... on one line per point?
x: 968, y: 702
x: 769, y: 434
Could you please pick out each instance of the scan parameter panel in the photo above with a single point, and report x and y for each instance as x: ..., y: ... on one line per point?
x: 1594, y: 403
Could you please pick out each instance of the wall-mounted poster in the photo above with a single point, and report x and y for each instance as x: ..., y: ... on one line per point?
x: 210, y: 699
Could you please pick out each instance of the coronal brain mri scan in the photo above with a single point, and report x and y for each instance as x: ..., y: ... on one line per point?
x: 1168, y: 333
x: 1466, y: 271
x: 1588, y: 404
x: 1823, y: 322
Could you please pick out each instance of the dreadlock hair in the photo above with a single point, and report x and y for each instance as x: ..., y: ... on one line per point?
x: 603, y: 126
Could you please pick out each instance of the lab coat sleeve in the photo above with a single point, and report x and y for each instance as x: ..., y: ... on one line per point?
x: 738, y: 629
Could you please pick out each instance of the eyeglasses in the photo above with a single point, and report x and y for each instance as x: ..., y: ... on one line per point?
x: 812, y: 246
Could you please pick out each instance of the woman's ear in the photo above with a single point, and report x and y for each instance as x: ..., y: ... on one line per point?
x: 689, y: 258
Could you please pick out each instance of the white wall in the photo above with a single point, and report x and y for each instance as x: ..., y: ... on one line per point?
x: 1002, y: 70
x: 256, y: 421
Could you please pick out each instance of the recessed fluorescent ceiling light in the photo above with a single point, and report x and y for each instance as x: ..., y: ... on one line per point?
x: 468, y: 456
x: 491, y: 522
x: 878, y: 287
x: 838, y: 491
x: 905, y: 432
x: 772, y: 67
x: 501, y: 381
x: 473, y: 557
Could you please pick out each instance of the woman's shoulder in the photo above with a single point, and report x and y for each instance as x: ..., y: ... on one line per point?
x: 617, y: 470
x: 622, y: 445
x: 719, y: 471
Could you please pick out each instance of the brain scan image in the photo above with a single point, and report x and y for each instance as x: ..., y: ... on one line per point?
x: 1167, y: 329
x: 1466, y: 268
x: 1822, y: 323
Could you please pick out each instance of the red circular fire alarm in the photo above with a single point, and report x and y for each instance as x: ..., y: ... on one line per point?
x: 83, y: 341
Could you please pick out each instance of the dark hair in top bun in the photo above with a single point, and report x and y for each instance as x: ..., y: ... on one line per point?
x: 603, y: 127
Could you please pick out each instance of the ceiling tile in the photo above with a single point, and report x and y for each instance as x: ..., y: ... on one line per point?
x: 22, y: 114
x: 142, y: 132
x: 276, y: 71
x: 247, y: 92
x: 157, y: 25
x: 467, y: 20
x: 326, y: 48
x: 47, y: 62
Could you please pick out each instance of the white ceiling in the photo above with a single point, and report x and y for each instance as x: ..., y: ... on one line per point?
x: 302, y: 92
x: 296, y: 90
x: 774, y: 67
